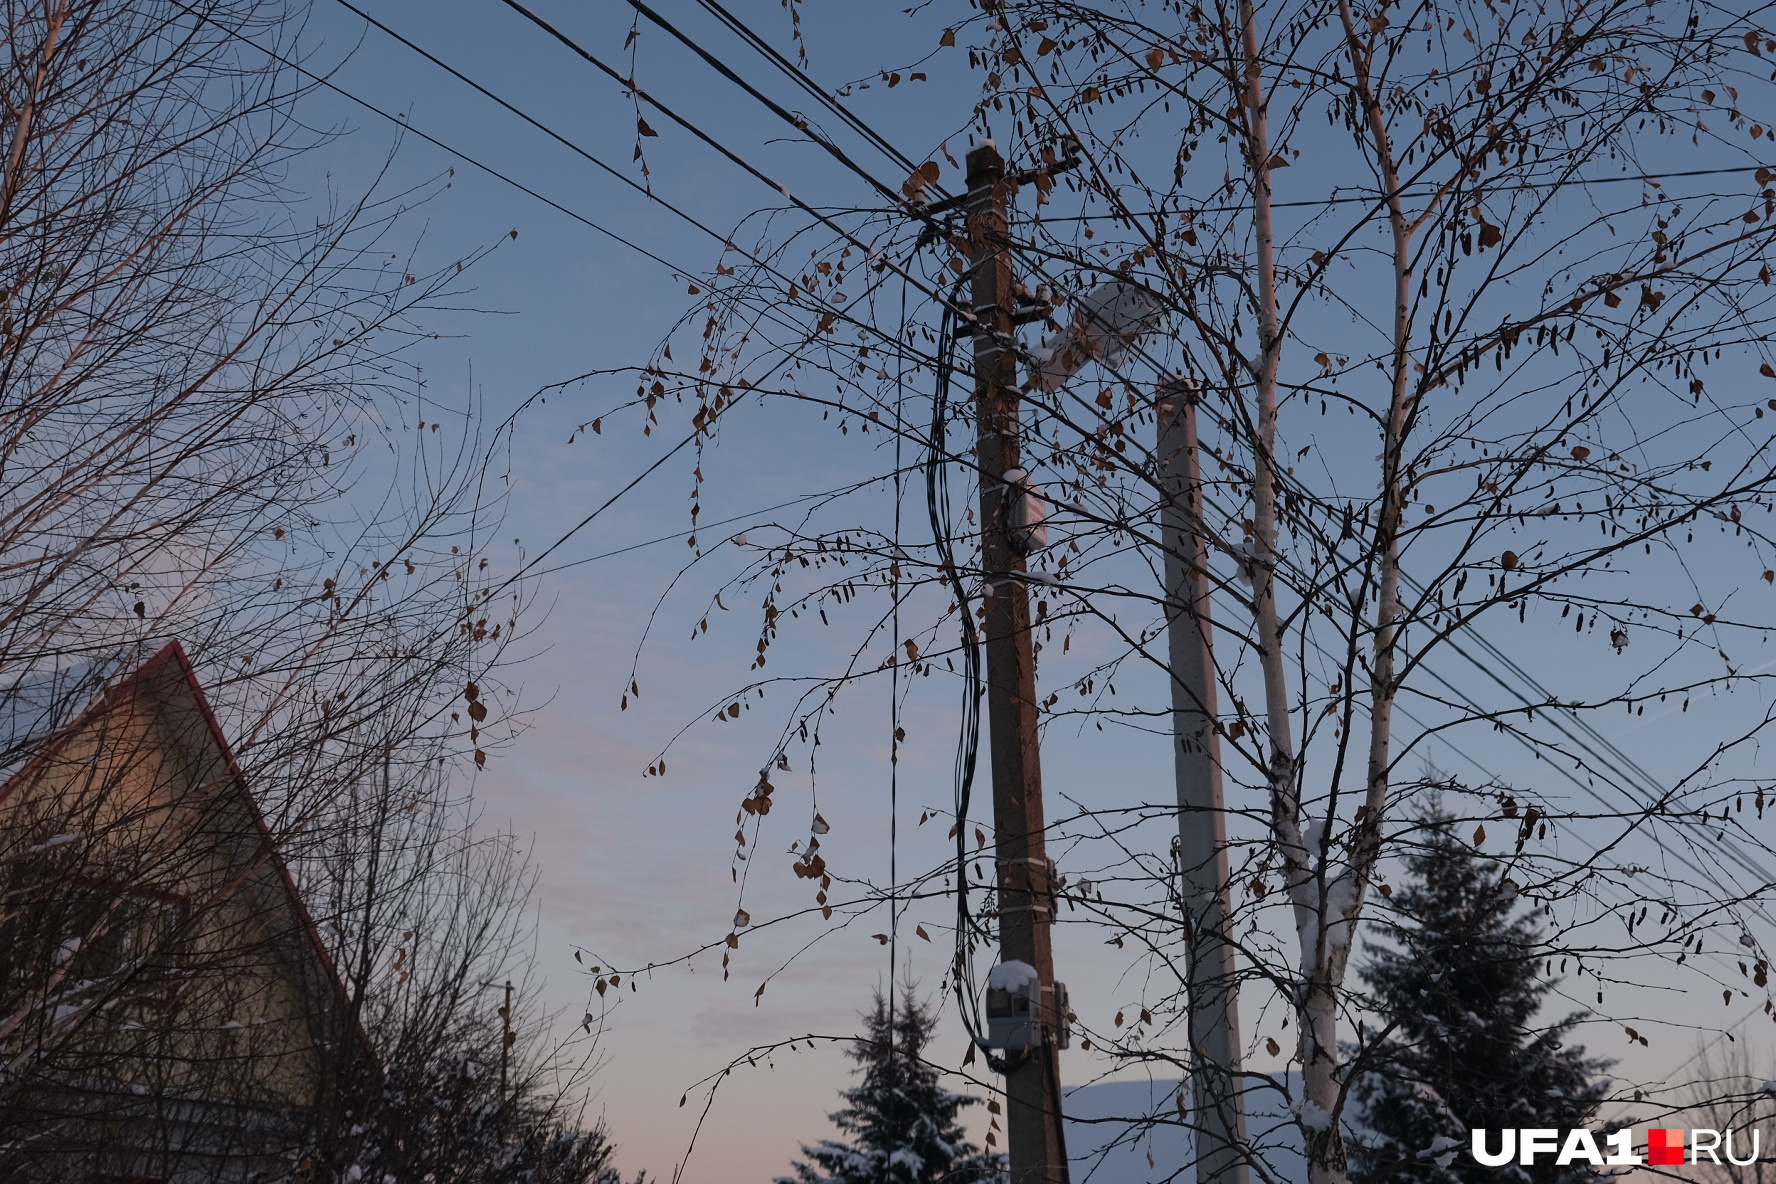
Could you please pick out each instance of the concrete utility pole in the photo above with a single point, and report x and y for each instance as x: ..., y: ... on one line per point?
x: 1217, y: 1114
x: 1026, y: 894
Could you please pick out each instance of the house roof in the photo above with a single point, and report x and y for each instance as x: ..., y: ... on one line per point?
x: 169, y: 682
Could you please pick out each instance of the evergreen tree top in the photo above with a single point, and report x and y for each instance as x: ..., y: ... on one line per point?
x: 1459, y: 980
x: 903, y: 1124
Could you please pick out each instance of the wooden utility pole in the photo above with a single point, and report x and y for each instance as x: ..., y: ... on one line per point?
x: 1217, y: 1116
x: 506, y: 1040
x: 1026, y: 894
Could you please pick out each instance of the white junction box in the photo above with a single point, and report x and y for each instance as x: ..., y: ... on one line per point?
x: 1014, y: 1008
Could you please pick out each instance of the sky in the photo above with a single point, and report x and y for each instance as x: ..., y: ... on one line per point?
x: 635, y: 870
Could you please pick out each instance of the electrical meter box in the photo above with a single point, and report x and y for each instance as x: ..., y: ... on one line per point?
x: 1014, y: 1006
x: 1014, y: 1009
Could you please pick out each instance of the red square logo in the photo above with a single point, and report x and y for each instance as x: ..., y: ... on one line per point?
x: 1665, y: 1146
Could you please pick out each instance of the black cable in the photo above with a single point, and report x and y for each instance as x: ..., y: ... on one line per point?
x: 930, y: 291
x: 869, y: 133
x: 630, y: 85
x: 894, y: 696
x: 936, y: 473
x: 801, y: 125
x: 875, y: 137
x: 937, y: 502
x: 540, y: 126
x: 820, y: 94
x: 1604, y: 757
x: 1583, y: 183
x: 971, y: 659
x: 433, y: 140
x: 667, y: 538
x: 608, y: 503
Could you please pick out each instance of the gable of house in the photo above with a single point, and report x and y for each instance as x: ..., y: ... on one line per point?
x: 160, y: 979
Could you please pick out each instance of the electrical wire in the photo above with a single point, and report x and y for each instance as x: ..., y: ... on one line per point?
x: 538, y: 124
x: 894, y: 699
x: 937, y: 503
x: 774, y: 315
x: 527, y: 569
x: 929, y: 290
x: 632, y: 87
x: 407, y: 127
x: 937, y: 506
x: 862, y: 127
x: 679, y: 534
x: 874, y: 137
x: 1628, y: 776
x: 769, y: 52
x: 725, y: 71
x: 1372, y: 199
x: 1013, y: 344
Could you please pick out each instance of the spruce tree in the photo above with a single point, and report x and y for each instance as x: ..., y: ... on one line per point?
x: 902, y: 1123
x: 1459, y: 983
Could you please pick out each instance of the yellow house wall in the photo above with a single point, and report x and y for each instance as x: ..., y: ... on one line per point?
x: 152, y: 818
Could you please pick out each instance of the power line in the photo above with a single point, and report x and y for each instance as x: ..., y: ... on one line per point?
x: 930, y: 291
x: 667, y: 538
x: 766, y: 50
x: 632, y: 87
x: 528, y: 567
x: 489, y: 169
x: 539, y: 125
x: 1628, y: 776
x: 430, y: 139
x: 723, y: 69
x: 550, y: 132
x: 710, y: 140
x: 820, y: 94
x: 330, y: 85
x: 1583, y: 183
x: 801, y: 125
